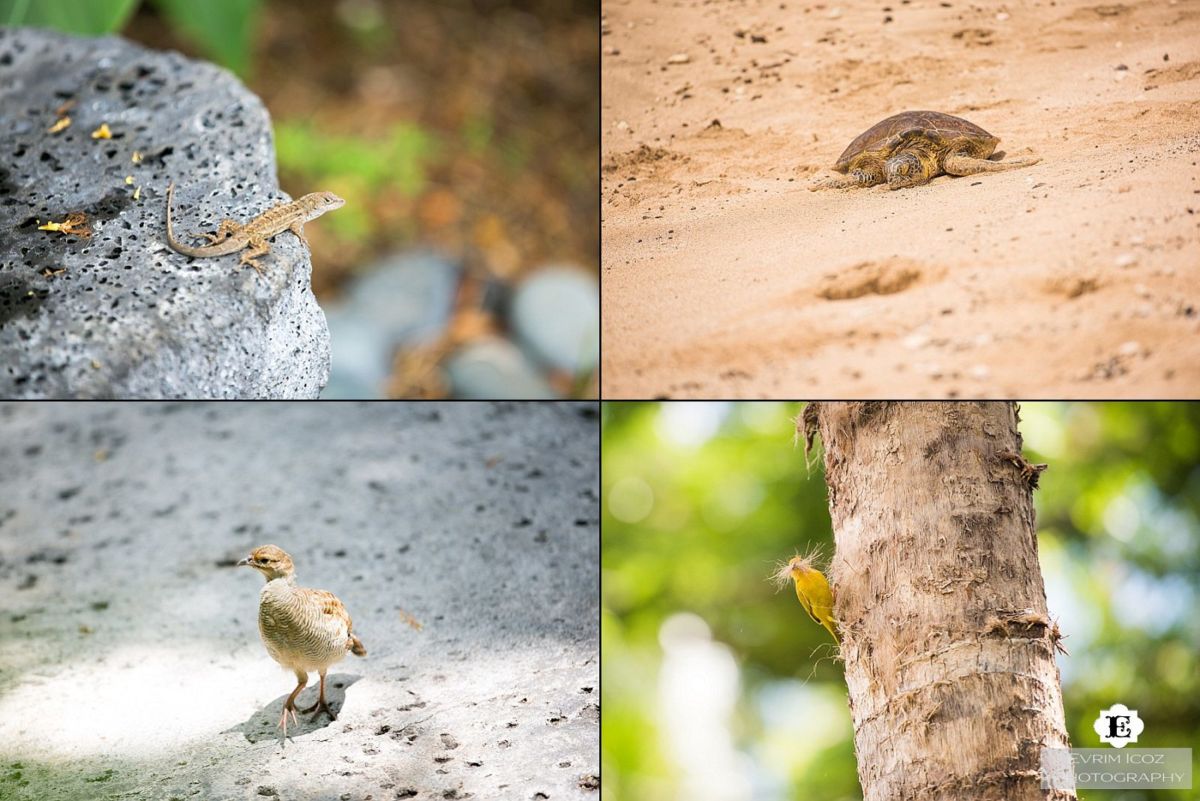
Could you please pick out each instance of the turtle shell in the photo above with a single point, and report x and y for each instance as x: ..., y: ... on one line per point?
x: 885, y: 135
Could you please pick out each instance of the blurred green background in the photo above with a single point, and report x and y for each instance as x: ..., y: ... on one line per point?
x: 717, y: 687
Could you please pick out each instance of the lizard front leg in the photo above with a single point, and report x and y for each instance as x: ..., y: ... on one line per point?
x: 297, y: 228
x: 255, y: 246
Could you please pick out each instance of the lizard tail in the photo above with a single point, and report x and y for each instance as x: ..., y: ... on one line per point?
x: 170, y: 197
x: 175, y: 244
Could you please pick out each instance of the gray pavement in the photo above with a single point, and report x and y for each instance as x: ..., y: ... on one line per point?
x: 130, y: 663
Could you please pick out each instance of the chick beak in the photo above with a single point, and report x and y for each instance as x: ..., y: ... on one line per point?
x: 245, y: 561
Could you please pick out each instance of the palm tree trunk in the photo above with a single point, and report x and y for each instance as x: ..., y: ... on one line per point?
x: 948, y: 647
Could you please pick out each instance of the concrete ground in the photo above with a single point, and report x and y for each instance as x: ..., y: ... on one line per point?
x: 130, y: 662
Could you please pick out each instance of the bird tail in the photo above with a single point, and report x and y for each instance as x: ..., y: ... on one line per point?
x: 356, y: 646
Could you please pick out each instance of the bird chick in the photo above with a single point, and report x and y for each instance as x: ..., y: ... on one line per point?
x: 303, y: 629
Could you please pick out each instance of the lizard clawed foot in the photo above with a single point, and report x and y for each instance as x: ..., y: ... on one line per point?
x: 212, y: 238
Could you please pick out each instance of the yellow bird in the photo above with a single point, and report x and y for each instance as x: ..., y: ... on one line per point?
x: 812, y: 589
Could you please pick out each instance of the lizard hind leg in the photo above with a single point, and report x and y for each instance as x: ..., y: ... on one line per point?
x: 255, y: 248
x: 227, y: 229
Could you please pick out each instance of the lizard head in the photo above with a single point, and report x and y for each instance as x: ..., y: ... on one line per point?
x: 323, y: 202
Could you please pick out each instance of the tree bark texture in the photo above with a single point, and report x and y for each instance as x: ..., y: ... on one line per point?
x: 948, y: 647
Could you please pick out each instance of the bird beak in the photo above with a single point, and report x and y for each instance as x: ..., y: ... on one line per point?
x: 245, y: 561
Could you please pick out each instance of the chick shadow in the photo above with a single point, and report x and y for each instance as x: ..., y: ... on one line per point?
x: 264, y: 724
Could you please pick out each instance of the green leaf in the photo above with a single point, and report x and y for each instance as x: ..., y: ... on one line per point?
x: 90, y: 17
x: 221, y: 28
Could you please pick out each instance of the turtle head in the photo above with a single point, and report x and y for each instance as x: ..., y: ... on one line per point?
x: 905, y: 169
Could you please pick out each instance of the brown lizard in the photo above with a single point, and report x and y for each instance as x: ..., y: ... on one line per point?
x: 253, y: 236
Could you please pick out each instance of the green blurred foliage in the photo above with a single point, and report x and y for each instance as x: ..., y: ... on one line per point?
x: 87, y: 17
x: 357, y: 168
x: 400, y: 159
x: 221, y: 28
x: 367, y: 24
x: 700, y: 500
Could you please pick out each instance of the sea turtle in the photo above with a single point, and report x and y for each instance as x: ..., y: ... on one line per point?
x: 912, y: 147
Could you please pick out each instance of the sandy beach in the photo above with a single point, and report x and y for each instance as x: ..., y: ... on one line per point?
x: 723, y: 276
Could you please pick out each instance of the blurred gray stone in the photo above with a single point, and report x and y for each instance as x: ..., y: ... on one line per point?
x: 556, y: 317
x: 361, y: 356
x: 403, y: 300
x: 406, y: 298
x: 127, y: 317
x: 495, y: 368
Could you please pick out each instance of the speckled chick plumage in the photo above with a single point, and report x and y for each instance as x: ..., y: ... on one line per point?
x: 303, y: 629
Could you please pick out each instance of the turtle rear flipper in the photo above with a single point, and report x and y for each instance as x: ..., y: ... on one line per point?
x: 959, y: 164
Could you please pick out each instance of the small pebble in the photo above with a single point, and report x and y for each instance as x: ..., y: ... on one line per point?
x: 1001, y: 16
x: 495, y: 368
x: 1137, y: 239
x: 1141, y: 290
x: 980, y: 372
x: 1126, y: 260
x: 834, y: 13
x: 555, y: 314
x: 679, y: 58
x: 916, y: 341
x: 1130, y: 348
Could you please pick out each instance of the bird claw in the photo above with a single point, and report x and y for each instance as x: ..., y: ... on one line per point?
x: 319, y: 707
x: 283, y: 718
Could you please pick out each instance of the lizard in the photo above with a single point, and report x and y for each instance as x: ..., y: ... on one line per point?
x: 252, y: 237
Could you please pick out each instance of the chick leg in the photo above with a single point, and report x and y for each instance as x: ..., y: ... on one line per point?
x: 290, y: 704
x: 321, y: 705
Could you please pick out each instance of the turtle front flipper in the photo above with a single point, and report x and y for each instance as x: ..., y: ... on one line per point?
x: 960, y: 164
x: 836, y: 181
x: 866, y: 170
